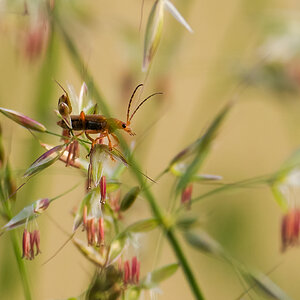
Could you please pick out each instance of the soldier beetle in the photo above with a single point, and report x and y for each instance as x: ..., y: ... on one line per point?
x: 95, y: 124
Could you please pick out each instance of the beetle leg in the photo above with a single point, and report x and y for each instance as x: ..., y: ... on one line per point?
x: 99, y: 139
x: 92, y: 140
x: 116, y: 139
x: 66, y: 133
x: 89, y: 137
x: 79, y: 134
x: 110, y: 146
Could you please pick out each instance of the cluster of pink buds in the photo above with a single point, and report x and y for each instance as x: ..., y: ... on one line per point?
x: 94, y: 229
x: 186, y: 196
x: 131, y: 275
x: 290, y: 229
x: 31, y: 240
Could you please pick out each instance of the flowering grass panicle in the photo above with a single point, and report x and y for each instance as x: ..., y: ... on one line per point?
x: 122, y: 215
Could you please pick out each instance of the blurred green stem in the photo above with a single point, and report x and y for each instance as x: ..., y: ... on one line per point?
x: 17, y: 253
x: 243, y: 183
x: 66, y: 137
x: 173, y: 241
x: 135, y: 168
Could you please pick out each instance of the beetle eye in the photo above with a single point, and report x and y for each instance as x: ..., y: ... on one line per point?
x: 124, y: 125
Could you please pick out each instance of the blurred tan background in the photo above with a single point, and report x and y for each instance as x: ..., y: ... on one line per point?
x: 198, y: 73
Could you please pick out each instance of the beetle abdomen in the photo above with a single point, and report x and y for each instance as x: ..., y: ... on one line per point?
x: 92, y: 123
x: 97, y: 126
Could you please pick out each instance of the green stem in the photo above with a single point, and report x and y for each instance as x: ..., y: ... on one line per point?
x: 239, y: 184
x: 20, y: 261
x: 66, y: 137
x: 156, y: 211
x: 151, y: 200
x: 64, y: 193
x: 176, y: 248
x: 184, y: 264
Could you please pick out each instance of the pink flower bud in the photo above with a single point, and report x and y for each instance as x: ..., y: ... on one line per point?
x: 23, y: 120
x: 41, y: 205
x: 36, y: 241
x: 290, y: 229
x: 126, y: 272
x: 133, y: 268
x: 30, y: 240
x: 101, y: 231
x: 186, y: 195
x: 31, y: 245
x: 26, y: 244
x: 131, y: 275
x: 91, y: 231
x: 103, y: 189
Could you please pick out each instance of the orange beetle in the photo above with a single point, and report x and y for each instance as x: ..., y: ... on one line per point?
x: 94, y: 124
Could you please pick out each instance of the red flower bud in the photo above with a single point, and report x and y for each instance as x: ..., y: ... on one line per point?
x: 131, y: 275
x: 133, y: 268
x: 31, y: 245
x: 126, y: 272
x: 30, y: 240
x: 290, y: 229
x: 186, y: 195
x: 91, y: 231
x: 101, y: 231
x: 103, y: 189
x: 26, y: 244
x: 36, y: 241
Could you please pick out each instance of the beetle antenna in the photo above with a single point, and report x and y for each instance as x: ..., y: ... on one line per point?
x: 61, y: 86
x: 143, y: 103
x: 130, y: 101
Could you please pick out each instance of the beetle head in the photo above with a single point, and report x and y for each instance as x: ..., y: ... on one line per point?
x: 117, y: 124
